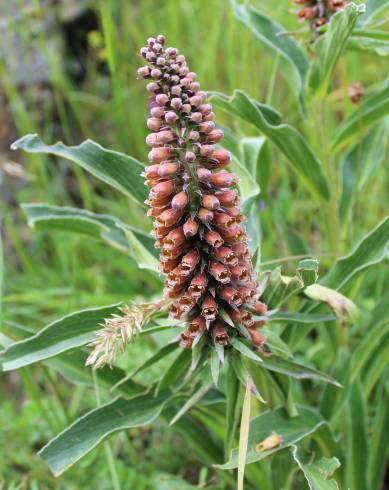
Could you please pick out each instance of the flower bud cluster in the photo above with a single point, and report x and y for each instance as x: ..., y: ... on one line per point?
x: 318, y: 12
x: 193, y: 200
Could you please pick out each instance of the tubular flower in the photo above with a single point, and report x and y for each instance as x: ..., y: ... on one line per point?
x: 192, y: 199
x: 318, y: 12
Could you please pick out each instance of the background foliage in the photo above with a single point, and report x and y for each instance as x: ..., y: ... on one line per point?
x: 76, y: 80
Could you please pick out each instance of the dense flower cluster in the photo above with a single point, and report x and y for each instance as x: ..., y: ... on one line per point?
x: 197, y: 222
x: 318, y: 12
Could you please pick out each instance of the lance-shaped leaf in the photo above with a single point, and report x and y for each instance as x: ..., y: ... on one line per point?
x: 295, y: 369
x: 289, y: 430
x: 376, y: 42
x: 330, y: 46
x: 270, y: 33
x: 358, y: 165
x: 373, y: 8
x: 317, y: 472
x: 103, y: 226
x: 291, y: 143
x: 379, y: 449
x: 371, y: 110
x: 371, y: 250
x: 66, y: 333
x: 90, y: 430
x: 343, y: 308
x: 116, y: 169
x: 357, y: 448
x: 304, y: 318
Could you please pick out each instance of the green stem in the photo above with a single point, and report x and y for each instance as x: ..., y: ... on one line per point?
x: 107, y: 447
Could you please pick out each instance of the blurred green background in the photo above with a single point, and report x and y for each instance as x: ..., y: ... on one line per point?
x: 68, y: 72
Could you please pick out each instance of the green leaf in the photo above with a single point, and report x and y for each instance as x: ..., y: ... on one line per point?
x: 379, y: 449
x: 376, y: 334
x: 105, y: 227
x: 371, y: 250
x: 244, y: 434
x: 296, y: 370
x: 215, y: 366
x: 90, y: 430
x: 244, y: 349
x: 343, y: 308
x: 357, y: 448
x: 358, y: 165
x: 371, y: 110
x: 330, y: 46
x: 116, y: 169
x: 290, y: 142
x: 196, y: 397
x: 375, y: 42
x: 373, y: 8
x: 270, y: 33
x: 317, y: 473
x: 291, y: 430
x: 66, y: 333
x: 308, y: 271
x: 290, y: 317
x: 256, y: 157
x: 142, y: 249
x: 248, y: 188
x: 177, y: 371
x: 233, y: 407
x: 160, y: 354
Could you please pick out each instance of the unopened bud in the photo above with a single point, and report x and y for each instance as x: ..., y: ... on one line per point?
x: 156, y: 73
x: 228, y: 198
x: 203, y: 174
x: 223, y: 220
x: 176, y: 90
x: 183, y: 71
x: 196, y: 117
x: 257, y: 338
x: 157, y: 112
x: 180, y: 200
x: 259, y: 308
x: 162, y: 99
x: 211, y: 202
x: 176, y: 103
x: 215, y: 136
x: 163, y: 189
x: 153, y: 123
x: 159, y: 154
x: 168, y: 169
x: 143, y: 72
x: 169, y: 217
x: 186, y: 108
x: 192, y: 75
x: 194, y: 136
x: 190, y: 156
x: 190, y: 227
x: 206, y: 127
x: 224, y: 179
x: 205, y: 215
x: 205, y: 108
x: 171, y: 117
x: 206, y: 150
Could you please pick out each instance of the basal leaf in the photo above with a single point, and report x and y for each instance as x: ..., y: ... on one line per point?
x: 291, y: 143
x: 291, y: 430
x: 116, y: 169
x: 330, y: 46
x: 66, y: 333
x: 105, y: 227
x: 90, y: 430
x: 269, y: 32
x: 371, y: 110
